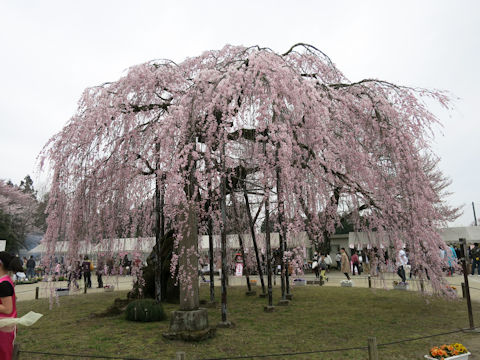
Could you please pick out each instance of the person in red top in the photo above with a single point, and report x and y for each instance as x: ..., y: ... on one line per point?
x: 8, y: 308
x: 355, y: 263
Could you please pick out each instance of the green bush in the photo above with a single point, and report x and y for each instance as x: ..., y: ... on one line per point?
x: 145, y: 310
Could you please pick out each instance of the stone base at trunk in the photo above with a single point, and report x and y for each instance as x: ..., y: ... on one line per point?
x: 289, y: 296
x: 225, y: 324
x: 251, y: 293
x: 262, y: 295
x: 191, y: 325
x: 198, y: 335
x: 284, y: 302
x: 269, y: 308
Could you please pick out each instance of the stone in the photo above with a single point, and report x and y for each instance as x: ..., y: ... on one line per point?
x: 225, y: 324
x: 188, y: 320
x: 284, y: 302
x: 268, y: 309
x: 289, y: 296
x: 198, y: 335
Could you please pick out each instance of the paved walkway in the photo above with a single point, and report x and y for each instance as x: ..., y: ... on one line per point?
x: 27, y: 292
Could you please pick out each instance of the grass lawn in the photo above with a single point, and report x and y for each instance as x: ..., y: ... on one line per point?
x: 317, y: 318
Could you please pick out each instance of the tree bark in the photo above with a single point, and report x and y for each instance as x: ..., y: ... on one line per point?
x: 189, y: 262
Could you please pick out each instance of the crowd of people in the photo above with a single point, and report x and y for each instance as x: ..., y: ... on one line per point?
x: 361, y: 260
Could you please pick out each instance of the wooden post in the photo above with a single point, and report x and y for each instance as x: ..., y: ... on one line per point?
x: 36, y: 292
x: 422, y: 286
x: 465, y: 278
x: 16, y: 352
x: 85, y: 288
x: 180, y: 355
x: 369, y: 282
x: 372, y: 348
x: 463, y: 290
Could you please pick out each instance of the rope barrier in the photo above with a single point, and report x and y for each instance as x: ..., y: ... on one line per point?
x: 80, y: 356
x: 289, y: 354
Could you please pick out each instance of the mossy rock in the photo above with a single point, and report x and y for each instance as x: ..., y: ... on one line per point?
x: 145, y: 310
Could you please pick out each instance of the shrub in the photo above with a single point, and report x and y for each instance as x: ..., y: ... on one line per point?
x: 145, y: 310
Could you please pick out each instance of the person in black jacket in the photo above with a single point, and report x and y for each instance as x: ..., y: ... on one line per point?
x: 86, y: 272
x: 31, y: 268
x: 475, y: 254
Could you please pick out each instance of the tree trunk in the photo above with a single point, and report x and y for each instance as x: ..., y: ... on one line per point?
x: 189, y: 262
x: 254, y: 240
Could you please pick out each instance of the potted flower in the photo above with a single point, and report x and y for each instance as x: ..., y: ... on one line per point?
x: 346, y: 283
x: 253, y: 282
x: 108, y: 288
x: 448, y: 352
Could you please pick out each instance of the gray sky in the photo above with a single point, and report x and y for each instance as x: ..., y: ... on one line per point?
x: 52, y: 50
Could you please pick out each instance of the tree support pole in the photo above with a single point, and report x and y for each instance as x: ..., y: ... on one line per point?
x: 465, y: 279
x: 210, y: 259
x: 240, y: 241
x: 270, y: 307
x: 254, y: 240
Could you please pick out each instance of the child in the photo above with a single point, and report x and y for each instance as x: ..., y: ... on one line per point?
x: 8, y: 263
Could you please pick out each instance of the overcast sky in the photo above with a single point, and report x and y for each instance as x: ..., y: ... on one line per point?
x: 51, y: 50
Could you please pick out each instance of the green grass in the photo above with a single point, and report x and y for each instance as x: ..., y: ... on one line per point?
x: 317, y: 318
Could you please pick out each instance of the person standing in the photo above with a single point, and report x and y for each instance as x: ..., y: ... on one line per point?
x: 99, y: 272
x: 345, y: 263
x: 31, y: 268
x: 315, y: 260
x: 355, y: 263
x: 338, y: 259
x: 452, y: 260
x: 402, y: 260
x: 475, y: 254
x: 87, y: 272
x: 8, y: 264
x: 328, y: 261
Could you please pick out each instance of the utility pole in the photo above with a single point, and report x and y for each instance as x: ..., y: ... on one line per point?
x: 474, y: 215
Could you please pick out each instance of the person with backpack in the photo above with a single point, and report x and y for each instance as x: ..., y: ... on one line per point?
x: 322, y: 265
x: 475, y: 254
